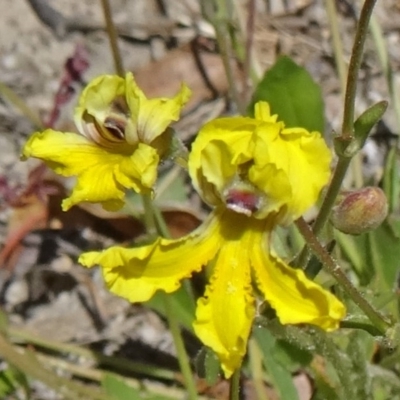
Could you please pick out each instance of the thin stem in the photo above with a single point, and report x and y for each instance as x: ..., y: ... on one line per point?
x: 18, y: 102
x: 382, y: 52
x: 257, y: 370
x: 112, y: 35
x: 30, y: 366
x: 156, y: 221
x: 234, y: 385
x: 326, y: 207
x: 249, y: 49
x: 336, y: 42
x: 377, y: 319
x: 347, y: 126
x: 221, y: 19
x: 331, y: 194
x: 21, y: 336
x: 354, y: 67
x: 183, y: 358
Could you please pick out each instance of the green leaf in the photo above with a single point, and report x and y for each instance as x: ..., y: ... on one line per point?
x: 391, y: 184
x: 11, y: 379
x: 291, y: 356
x: 208, y: 366
x: 375, y: 253
x: 117, y: 389
x: 362, y: 127
x: 366, y: 121
x: 360, y: 350
x: 292, y: 94
x: 280, y: 376
x: 183, y: 304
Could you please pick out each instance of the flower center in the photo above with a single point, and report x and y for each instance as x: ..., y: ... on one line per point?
x: 243, y: 197
x: 108, y: 131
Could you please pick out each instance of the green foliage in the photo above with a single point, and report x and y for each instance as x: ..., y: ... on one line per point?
x: 182, y: 302
x: 292, y: 94
x: 208, y: 366
x: 117, y: 389
x: 361, y: 129
x: 12, y: 379
x: 278, y: 372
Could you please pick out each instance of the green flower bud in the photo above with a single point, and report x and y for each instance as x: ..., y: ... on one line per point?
x: 360, y: 211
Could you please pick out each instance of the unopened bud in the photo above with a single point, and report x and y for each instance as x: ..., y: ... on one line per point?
x: 360, y: 211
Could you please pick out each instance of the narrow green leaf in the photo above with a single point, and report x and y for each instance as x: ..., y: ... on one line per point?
x: 361, y: 128
x: 280, y: 376
x: 117, y: 389
x: 391, y: 183
x: 208, y: 366
x: 292, y: 94
x: 183, y: 304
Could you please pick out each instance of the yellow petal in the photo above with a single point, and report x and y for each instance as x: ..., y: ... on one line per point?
x: 303, y: 157
x: 97, y: 98
x: 152, y: 116
x: 262, y: 111
x: 220, y: 147
x: 295, y: 298
x: 101, y: 175
x: 225, y: 315
x: 137, y: 273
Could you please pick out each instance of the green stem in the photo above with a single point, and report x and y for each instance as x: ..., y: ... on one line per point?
x: 256, y: 361
x: 331, y: 194
x: 18, y: 102
x: 354, y: 67
x: 220, y: 20
x: 156, y: 221
x: 234, y: 385
x: 326, y: 207
x: 336, y: 42
x: 360, y: 324
x: 113, y: 37
x: 382, y: 52
x: 183, y: 358
x: 29, y: 365
x: 377, y: 319
x: 21, y: 336
x: 347, y: 126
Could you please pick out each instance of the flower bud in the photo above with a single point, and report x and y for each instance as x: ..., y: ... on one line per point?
x: 360, y: 211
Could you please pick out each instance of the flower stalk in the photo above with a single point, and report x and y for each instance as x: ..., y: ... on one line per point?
x: 347, y: 125
x: 113, y: 37
x: 377, y: 319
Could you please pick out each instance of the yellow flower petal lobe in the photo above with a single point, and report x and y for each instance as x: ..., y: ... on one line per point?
x: 137, y: 273
x: 101, y: 175
x: 153, y: 116
x: 224, y: 315
x: 295, y: 298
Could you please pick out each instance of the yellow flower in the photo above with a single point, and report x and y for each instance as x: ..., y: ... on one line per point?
x: 122, y: 136
x: 257, y: 174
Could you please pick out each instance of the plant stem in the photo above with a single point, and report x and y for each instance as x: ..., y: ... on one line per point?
x: 15, y: 100
x: 377, y: 319
x: 220, y: 21
x: 347, y: 126
x: 22, y: 336
x: 234, y: 385
x: 250, y: 26
x: 156, y: 221
x: 30, y: 366
x: 257, y: 370
x: 354, y: 67
x: 183, y: 358
x: 112, y: 35
x: 330, y: 6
